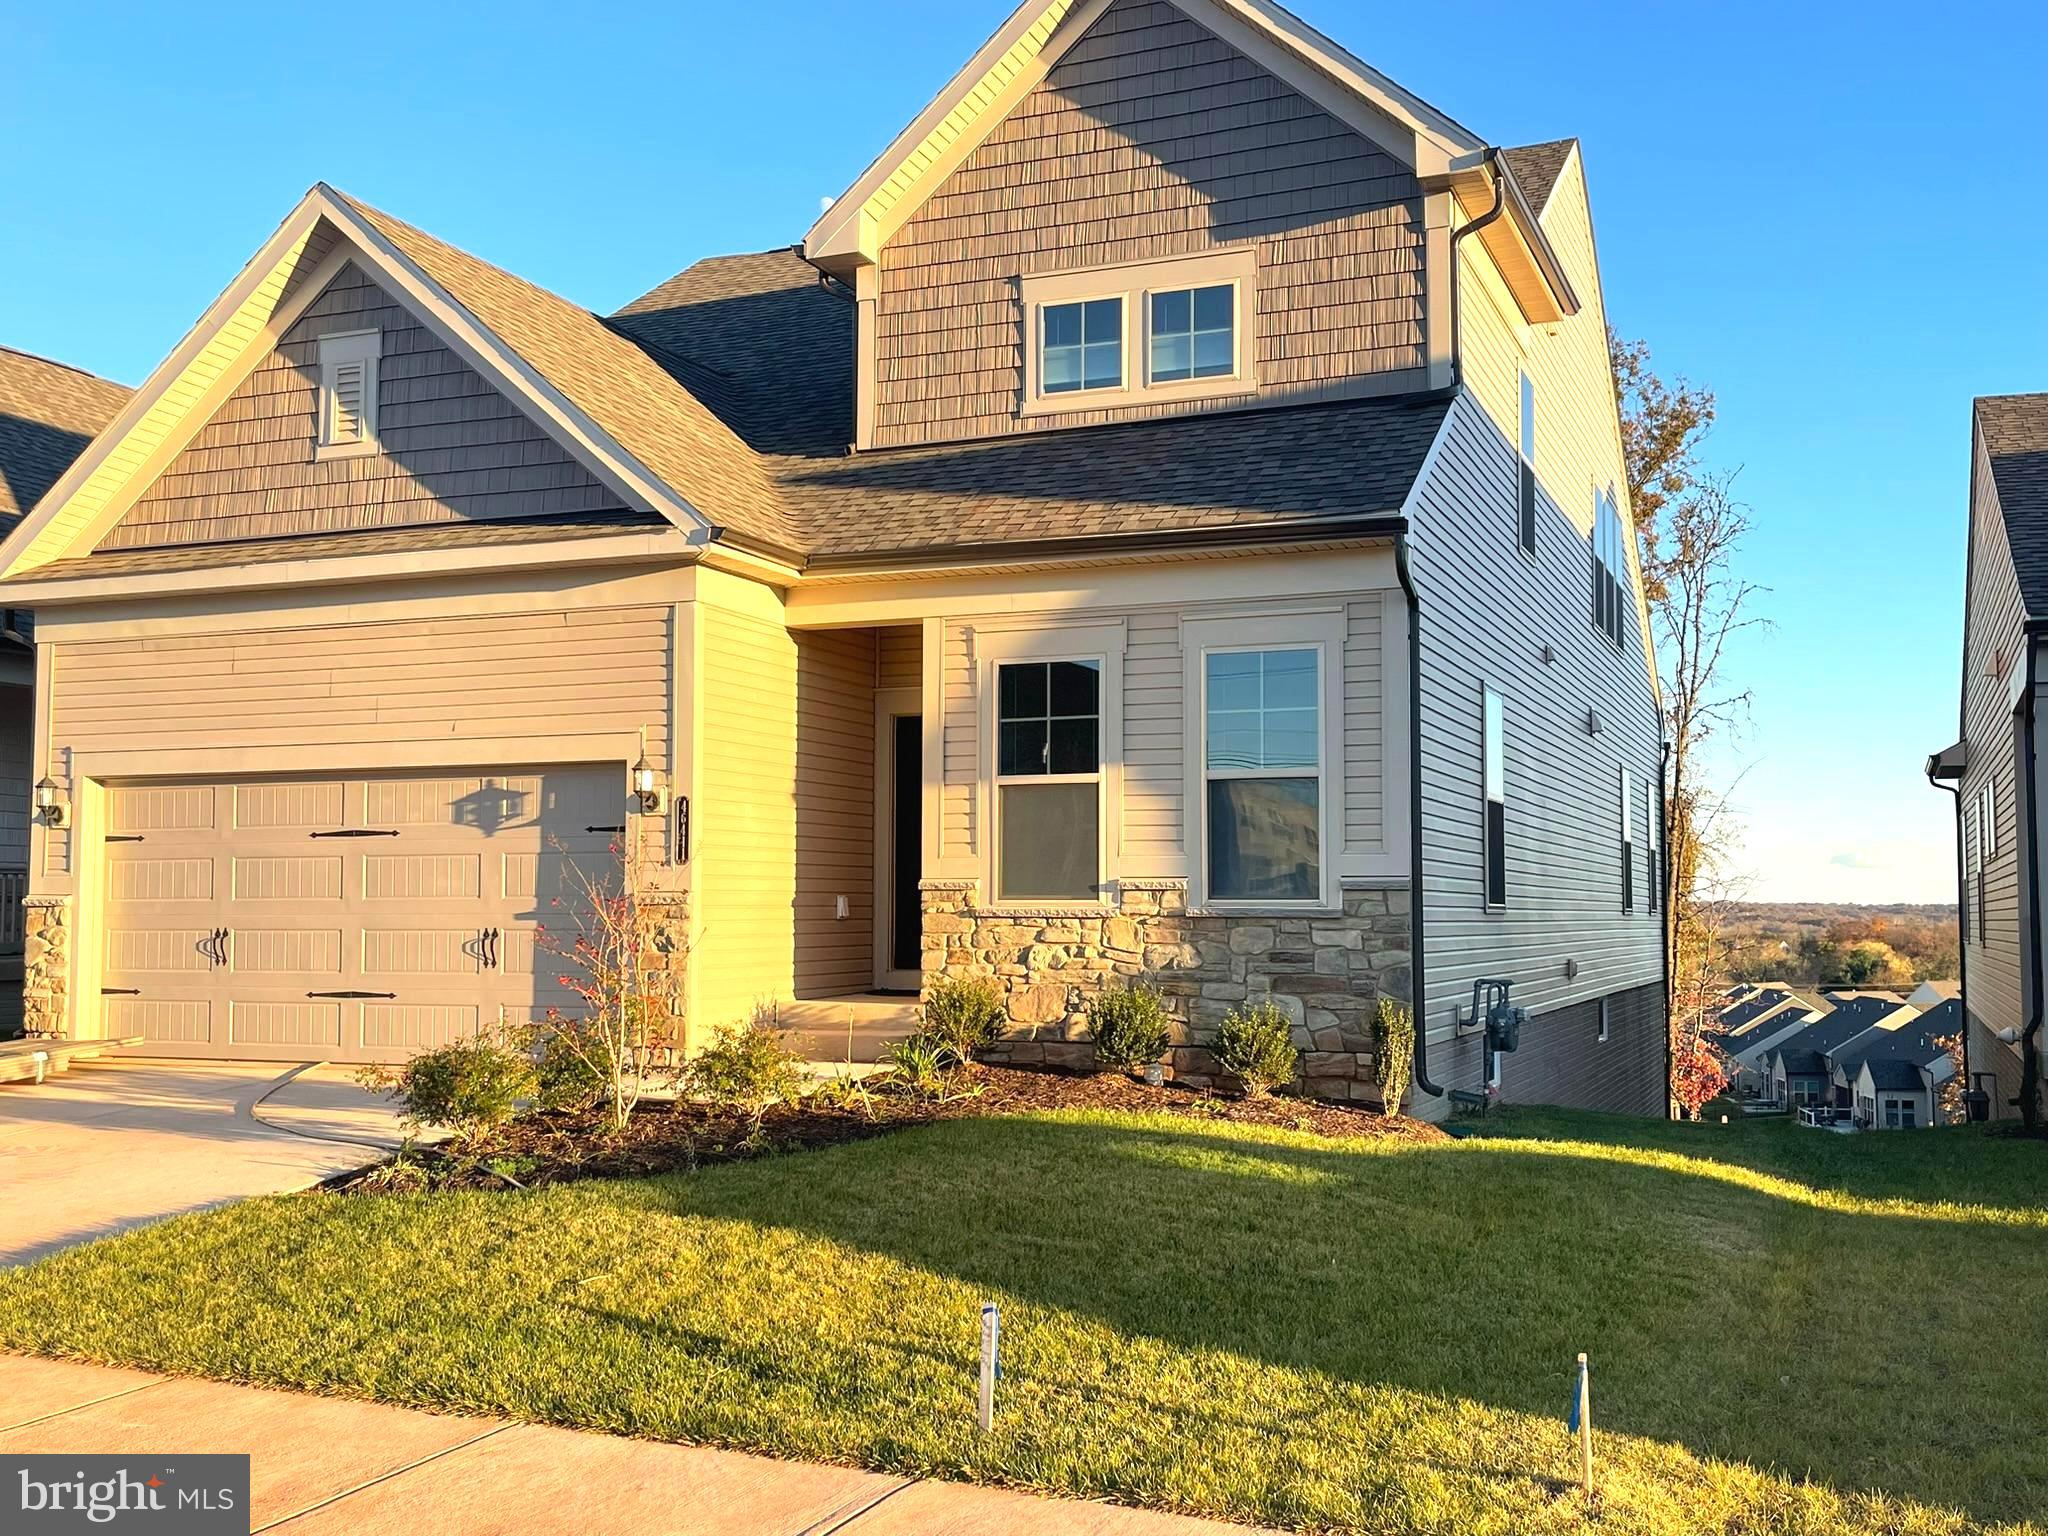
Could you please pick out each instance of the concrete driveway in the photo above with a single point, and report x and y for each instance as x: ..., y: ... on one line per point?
x: 114, y: 1144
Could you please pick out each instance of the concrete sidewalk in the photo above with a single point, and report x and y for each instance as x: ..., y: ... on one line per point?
x: 325, y: 1465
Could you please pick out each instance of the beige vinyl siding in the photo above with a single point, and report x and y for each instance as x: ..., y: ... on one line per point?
x: 1151, y: 138
x: 899, y: 656
x: 1489, y: 613
x: 452, y: 447
x: 960, y: 765
x: 1364, y: 808
x: 835, y: 810
x: 444, y: 681
x: 1154, y: 725
x: 1994, y: 959
x: 744, y: 893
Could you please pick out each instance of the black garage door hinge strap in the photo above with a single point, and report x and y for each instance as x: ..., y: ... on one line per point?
x: 355, y: 832
x: 120, y: 991
x: 123, y: 837
x: 352, y: 994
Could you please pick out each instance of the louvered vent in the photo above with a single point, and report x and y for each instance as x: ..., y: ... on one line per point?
x: 348, y: 392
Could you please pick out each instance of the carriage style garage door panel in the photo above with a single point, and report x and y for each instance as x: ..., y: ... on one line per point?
x: 343, y: 919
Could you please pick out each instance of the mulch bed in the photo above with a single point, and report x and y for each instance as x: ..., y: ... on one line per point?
x: 675, y: 1137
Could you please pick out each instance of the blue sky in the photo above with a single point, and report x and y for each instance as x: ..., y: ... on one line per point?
x: 1825, y: 213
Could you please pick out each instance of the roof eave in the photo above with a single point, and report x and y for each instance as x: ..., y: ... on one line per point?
x: 1528, y: 263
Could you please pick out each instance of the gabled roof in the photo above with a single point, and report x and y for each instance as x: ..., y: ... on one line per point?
x: 48, y: 414
x: 1018, y: 55
x: 1828, y: 1034
x: 2015, y: 433
x: 1893, y: 1075
x: 1537, y: 167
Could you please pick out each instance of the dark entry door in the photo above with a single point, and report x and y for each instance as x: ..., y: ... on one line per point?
x: 907, y: 800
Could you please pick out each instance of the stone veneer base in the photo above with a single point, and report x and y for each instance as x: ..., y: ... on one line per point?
x: 1327, y: 971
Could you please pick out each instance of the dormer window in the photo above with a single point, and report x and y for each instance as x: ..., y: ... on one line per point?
x: 1111, y: 338
x: 347, y: 406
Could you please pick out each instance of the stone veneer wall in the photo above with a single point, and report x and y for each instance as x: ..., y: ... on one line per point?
x: 1327, y: 972
x: 46, y: 964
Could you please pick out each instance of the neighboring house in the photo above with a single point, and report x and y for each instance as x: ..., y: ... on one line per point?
x: 1850, y: 994
x: 1799, y: 1068
x: 1932, y: 994
x: 1892, y: 1076
x: 48, y: 413
x: 1166, y: 521
x: 1776, y: 1016
x: 2005, y: 619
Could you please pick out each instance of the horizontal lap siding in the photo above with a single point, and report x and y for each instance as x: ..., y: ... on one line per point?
x: 899, y: 656
x: 452, y: 447
x: 1154, y: 828
x: 835, y: 810
x: 1994, y: 959
x: 1150, y: 138
x: 452, y: 680
x: 744, y: 898
x: 1488, y: 615
x: 1364, y: 811
x: 960, y: 767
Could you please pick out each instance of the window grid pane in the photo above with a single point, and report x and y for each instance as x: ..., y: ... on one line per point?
x: 1081, y: 346
x: 1263, y: 712
x: 1048, y: 718
x: 1193, y: 333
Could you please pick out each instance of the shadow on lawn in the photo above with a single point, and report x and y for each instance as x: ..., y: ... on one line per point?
x: 1731, y: 1321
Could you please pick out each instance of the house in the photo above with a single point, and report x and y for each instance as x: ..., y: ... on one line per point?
x: 1799, y: 1067
x: 1892, y: 1077
x: 1166, y: 520
x: 1989, y: 768
x: 1932, y: 994
x: 48, y: 413
x: 1769, y: 1018
x: 1839, y: 995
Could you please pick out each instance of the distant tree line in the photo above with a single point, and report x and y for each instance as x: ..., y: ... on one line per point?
x: 1838, y: 947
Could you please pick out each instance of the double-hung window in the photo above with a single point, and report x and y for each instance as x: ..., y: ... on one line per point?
x: 1527, y: 492
x: 1610, y: 566
x: 1628, y: 841
x: 1049, y: 781
x: 1653, y: 831
x: 1081, y: 346
x: 1262, y: 774
x: 1494, y: 832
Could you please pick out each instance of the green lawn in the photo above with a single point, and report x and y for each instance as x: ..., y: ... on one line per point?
x: 1790, y: 1331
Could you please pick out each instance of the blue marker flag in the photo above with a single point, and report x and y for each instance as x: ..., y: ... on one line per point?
x: 1571, y: 1419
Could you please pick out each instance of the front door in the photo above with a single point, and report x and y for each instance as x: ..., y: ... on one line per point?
x: 899, y: 839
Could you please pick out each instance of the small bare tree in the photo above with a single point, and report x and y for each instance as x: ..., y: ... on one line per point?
x: 618, y: 951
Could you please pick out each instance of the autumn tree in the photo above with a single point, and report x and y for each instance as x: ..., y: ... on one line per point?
x: 1689, y: 528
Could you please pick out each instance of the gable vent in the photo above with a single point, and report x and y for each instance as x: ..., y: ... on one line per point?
x: 348, y: 392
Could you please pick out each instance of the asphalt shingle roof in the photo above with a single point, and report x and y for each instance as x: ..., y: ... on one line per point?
x: 1890, y: 1074
x: 1537, y: 167
x: 2015, y: 431
x: 772, y: 348
x: 48, y: 413
x: 1827, y: 1034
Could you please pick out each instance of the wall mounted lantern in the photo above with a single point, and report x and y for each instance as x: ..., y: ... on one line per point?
x: 646, y: 786
x: 49, y: 802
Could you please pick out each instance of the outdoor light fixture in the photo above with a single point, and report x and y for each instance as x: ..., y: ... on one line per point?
x: 646, y: 785
x: 49, y: 802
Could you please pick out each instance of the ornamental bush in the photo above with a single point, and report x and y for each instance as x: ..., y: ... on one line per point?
x: 747, y: 1067
x: 964, y: 1014
x: 1393, y: 1052
x: 1256, y: 1046
x: 1130, y: 1026
x: 469, y: 1089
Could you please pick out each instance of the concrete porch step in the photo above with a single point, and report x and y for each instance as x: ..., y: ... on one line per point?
x: 855, y: 1027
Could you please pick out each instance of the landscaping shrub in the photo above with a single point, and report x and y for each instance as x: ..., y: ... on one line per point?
x: 919, y: 1063
x: 469, y: 1089
x: 747, y: 1067
x: 1256, y: 1046
x: 1393, y: 1052
x: 964, y: 1014
x: 1130, y: 1027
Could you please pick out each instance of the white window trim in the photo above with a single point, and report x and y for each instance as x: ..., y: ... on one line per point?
x: 1135, y: 285
x: 1486, y: 901
x: 1604, y: 1021
x: 1322, y: 632
x: 338, y: 348
x: 1099, y: 643
x: 1628, y: 836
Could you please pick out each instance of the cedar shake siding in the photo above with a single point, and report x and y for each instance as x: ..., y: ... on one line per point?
x: 451, y: 447
x: 1563, y: 1060
x: 1152, y: 138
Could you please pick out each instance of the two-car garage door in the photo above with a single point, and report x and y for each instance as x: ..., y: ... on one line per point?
x: 344, y: 918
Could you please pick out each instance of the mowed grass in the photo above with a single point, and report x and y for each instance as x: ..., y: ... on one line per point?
x: 1790, y: 1331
